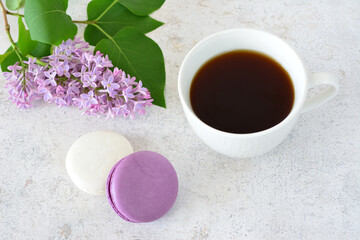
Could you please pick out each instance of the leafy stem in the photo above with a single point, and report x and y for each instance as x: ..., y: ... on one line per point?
x: 13, y: 44
x: 15, y: 48
x: 13, y: 14
x: 84, y: 22
x: 74, y: 21
x: 7, y: 29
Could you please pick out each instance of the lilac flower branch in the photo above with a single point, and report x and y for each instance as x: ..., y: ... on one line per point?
x: 75, y: 76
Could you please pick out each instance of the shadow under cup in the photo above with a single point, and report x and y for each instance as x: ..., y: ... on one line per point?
x: 249, y: 144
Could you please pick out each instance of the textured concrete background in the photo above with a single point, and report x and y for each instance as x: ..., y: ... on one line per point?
x: 307, y: 188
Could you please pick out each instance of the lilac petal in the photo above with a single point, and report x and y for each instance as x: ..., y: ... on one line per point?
x: 93, y: 101
x: 14, y: 67
x: 84, y: 96
x: 49, y: 74
x: 93, y: 84
x: 47, y: 97
x: 104, y: 83
x: 53, y: 83
x: 130, y: 95
x: 78, y: 102
x: 60, y: 102
x: 77, y: 74
x: 75, y: 90
x: 110, y: 79
x: 115, y: 86
x: 91, y: 94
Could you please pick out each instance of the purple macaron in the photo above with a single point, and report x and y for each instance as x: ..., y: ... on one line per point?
x: 142, y: 187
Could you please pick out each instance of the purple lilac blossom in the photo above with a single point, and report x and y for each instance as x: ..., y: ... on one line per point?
x: 75, y: 76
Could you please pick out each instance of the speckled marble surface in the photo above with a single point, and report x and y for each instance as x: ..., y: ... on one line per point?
x: 307, y: 188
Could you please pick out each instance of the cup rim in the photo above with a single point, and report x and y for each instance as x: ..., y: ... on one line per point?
x: 293, y: 113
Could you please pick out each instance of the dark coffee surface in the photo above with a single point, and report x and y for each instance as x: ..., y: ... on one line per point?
x: 242, y: 92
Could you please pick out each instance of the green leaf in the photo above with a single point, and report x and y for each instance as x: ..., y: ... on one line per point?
x: 10, y: 59
x: 26, y: 45
x: 139, y: 56
x: 4, y: 56
x: 48, y: 21
x: 41, y: 50
x: 142, y: 7
x: 111, y: 17
x: 14, y: 4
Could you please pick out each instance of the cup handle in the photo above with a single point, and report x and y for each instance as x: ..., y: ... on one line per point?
x: 325, y: 95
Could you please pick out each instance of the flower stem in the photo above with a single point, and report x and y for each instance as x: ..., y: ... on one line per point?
x: 37, y: 60
x: 76, y: 79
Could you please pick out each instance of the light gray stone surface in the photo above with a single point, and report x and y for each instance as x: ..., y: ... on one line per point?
x: 307, y: 188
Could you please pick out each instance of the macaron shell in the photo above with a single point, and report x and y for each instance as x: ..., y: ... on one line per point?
x: 108, y: 184
x: 142, y: 187
x: 91, y: 157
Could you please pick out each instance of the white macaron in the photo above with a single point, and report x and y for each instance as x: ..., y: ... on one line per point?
x: 92, y: 156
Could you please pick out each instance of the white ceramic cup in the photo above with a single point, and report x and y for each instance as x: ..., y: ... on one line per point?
x: 257, y: 143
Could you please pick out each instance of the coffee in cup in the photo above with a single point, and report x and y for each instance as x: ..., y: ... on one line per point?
x: 259, y: 138
x: 242, y: 91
